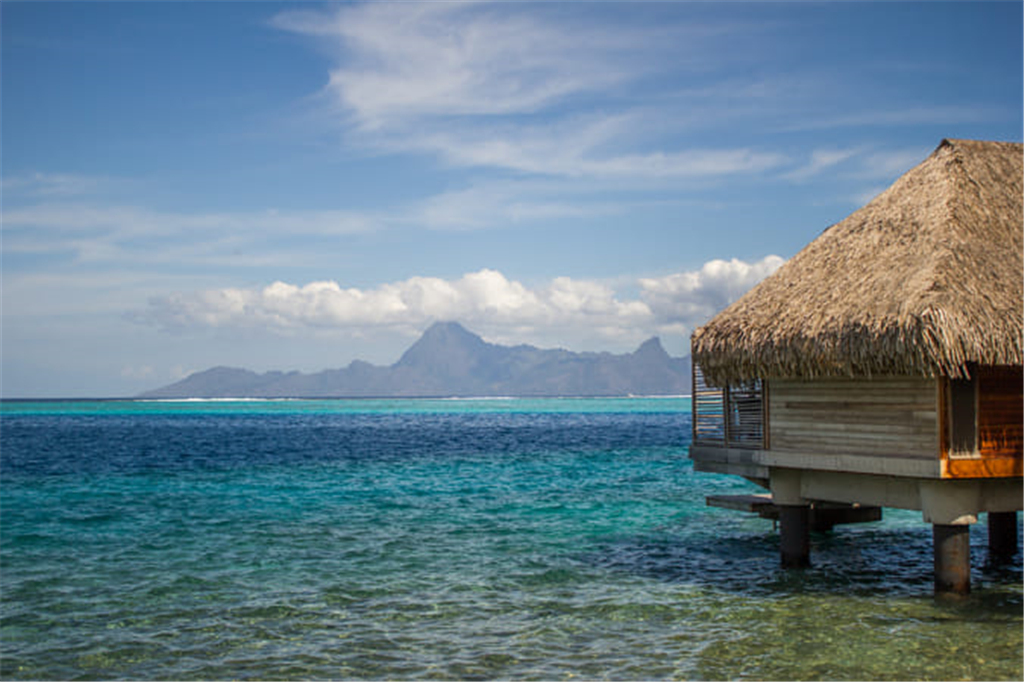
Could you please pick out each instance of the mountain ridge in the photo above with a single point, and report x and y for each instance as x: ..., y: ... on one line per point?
x: 450, y: 361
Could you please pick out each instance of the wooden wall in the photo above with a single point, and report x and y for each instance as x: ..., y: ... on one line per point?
x: 882, y: 416
x: 1000, y: 411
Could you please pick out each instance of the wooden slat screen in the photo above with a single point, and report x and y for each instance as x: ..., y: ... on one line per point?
x: 731, y: 417
x: 746, y: 415
x: 708, y: 411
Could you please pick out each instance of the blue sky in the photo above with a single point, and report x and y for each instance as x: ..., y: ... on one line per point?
x: 297, y: 185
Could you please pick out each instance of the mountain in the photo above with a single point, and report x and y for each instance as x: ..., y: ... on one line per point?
x: 448, y: 360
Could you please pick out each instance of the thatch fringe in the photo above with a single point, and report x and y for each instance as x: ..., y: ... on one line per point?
x: 924, y: 280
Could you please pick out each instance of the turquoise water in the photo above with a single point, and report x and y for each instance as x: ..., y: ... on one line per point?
x: 469, y: 539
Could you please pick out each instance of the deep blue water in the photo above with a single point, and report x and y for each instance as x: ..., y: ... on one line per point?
x: 524, y: 539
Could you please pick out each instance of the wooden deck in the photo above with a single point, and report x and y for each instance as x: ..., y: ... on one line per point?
x: 824, y: 515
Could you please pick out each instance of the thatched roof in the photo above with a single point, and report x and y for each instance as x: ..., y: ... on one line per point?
x: 921, y: 281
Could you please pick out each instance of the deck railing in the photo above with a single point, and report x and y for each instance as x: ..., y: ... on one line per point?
x: 733, y: 416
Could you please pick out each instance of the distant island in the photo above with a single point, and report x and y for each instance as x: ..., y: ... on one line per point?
x: 450, y: 361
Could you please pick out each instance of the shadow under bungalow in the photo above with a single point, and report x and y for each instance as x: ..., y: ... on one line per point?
x: 882, y: 366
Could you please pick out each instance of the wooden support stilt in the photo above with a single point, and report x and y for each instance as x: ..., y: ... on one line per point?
x: 1002, y: 536
x: 952, y: 558
x: 794, y: 535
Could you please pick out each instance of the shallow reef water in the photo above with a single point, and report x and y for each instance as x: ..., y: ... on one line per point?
x: 508, y: 539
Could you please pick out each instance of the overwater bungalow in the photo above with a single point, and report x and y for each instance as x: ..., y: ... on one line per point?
x: 881, y: 366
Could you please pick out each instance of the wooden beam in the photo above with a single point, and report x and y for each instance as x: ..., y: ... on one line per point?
x: 983, y: 467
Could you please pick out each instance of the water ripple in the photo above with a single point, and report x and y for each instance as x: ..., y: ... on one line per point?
x: 315, y: 544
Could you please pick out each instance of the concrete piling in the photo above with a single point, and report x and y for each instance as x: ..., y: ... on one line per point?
x: 952, y: 559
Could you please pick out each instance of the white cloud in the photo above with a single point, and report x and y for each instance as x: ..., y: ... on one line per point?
x: 138, y: 372
x: 404, y: 61
x: 130, y: 220
x: 93, y: 232
x: 493, y: 204
x: 578, y: 148
x: 888, y: 165
x: 690, y: 298
x: 865, y: 165
x: 486, y: 295
x: 485, y: 300
x: 821, y: 159
x: 909, y: 116
x: 496, y: 86
x: 51, y: 185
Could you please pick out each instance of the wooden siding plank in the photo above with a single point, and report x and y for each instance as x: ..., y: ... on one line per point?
x: 879, y: 417
x: 907, y: 449
x: 820, y: 449
x: 901, y: 420
x: 893, y: 464
x: 845, y: 435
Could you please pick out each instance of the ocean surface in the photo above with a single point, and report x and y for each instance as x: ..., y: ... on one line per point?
x: 455, y: 539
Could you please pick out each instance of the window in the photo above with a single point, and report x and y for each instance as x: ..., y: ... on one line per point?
x: 963, y: 417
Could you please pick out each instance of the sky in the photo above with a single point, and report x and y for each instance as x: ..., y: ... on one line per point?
x: 293, y: 186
